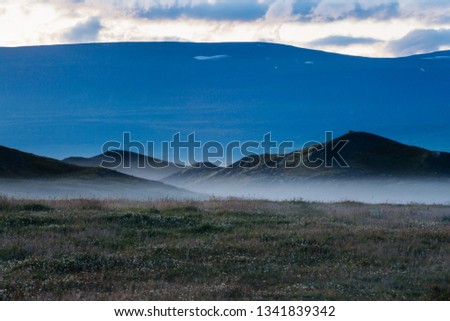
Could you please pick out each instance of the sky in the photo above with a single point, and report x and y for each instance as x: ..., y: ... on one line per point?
x: 372, y: 28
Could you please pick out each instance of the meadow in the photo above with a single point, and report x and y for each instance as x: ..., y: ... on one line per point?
x: 222, y: 250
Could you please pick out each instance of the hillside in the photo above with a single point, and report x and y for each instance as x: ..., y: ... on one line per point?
x: 367, y: 156
x: 379, y: 170
x: 372, y: 155
x: 128, y: 163
x: 17, y: 164
x: 80, y: 96
x: 31, y: 176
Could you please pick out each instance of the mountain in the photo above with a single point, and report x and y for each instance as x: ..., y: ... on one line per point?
x: 74, y: 98
x: 353, y: 155
x: 27, y: 175
x: 369, y: 154
x: 17, y: 164
x: 129, y: 163
x: 379, y: 170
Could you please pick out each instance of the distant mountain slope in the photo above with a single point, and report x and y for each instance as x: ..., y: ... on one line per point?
x: 128, y: 163
x: 27, y: 175
x: 17, y: 164
x: 367, y: 156
x: 372, y: 154
x: 380, y: 171
x: 86, y: 95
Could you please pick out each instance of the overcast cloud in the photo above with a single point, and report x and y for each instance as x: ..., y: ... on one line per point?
x: 361, y: 27
x: 343, y: 41
x: 421, y: 41
x: 84, y: 31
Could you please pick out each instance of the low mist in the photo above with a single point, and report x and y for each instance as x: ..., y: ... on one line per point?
x: 373, y: 191
x: 49, y: 189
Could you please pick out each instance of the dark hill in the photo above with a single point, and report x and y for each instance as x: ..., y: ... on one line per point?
x: 17, y: 164
x: 358, y: 154
x: 371, y: 154
x: 31, y: 176
x: 129, y: 163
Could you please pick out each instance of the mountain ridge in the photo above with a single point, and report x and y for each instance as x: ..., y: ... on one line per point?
x: 157, y: 89
x: 367, y: 156
x: 381, y: 170
x: 129, y: 163
x: 28, y: 175
x: 425, y: 54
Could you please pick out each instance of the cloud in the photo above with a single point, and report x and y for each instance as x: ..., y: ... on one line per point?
x: 305, y: 7
x: 421, y: 41
x: 443, y: 19
x: 84, y: 31
x: 343, y: 41
x: 245, y: 10
x: 272, y: 10
x: 331, y: 10
x: 380, y: 12
x: 280, y: 10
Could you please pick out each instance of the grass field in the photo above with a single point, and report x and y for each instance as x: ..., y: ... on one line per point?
x: 222, y: 250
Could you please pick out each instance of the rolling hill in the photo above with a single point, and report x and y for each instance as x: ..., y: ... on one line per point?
x: 362, y: 155
x: 16, y: 164
x: 77, y: 97
x: 379, y: 170
x: 31, y: 176
x: 129, y: 163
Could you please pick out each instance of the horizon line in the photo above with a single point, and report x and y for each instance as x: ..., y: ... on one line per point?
x: 214, y: 43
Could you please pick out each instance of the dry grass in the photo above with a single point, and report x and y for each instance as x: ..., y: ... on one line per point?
x: 222, y: 250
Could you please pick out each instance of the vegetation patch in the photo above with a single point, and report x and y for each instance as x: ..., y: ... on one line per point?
x: 20, y: 220
x: 13, y: 253
x: 36, y: 207
x: 222, y: 250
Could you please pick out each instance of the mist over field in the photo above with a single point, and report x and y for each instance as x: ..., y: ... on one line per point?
x: 64, y: 189
x: 371, y: 191
x: 379, y: 170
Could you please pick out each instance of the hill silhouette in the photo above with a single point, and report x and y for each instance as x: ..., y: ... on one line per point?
x: 28, y: 175
x: 359, y: 154
x: 129, y: 163
x: 17, y: 164
x: 369, y: 154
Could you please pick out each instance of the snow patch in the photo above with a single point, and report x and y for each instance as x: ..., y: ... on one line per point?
x: 217, y: 57
x: 436, y: 57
